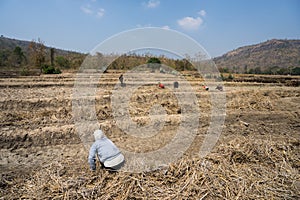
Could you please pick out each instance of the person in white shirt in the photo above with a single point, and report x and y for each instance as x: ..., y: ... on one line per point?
x: 108, y: 153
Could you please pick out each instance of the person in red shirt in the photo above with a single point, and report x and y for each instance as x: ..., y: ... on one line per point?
x: 205, y: 87
x: 161, y: 85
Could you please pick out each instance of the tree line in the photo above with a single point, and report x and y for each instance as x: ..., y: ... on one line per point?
x: 37, y: 58
x: 271, y: 70
x: 125, y: 62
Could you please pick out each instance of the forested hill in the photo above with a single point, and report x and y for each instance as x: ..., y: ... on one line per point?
x: 273, y: 56
x: 270, y: 57
x: 16, y: 55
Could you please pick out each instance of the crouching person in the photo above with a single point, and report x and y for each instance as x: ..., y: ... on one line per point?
x: 108, y: 154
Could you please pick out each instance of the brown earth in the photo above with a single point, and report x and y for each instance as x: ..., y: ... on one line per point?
x: 43, y: 157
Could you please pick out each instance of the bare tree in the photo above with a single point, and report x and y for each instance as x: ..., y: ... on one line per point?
x: 52, y: 51
x: 38, y: 53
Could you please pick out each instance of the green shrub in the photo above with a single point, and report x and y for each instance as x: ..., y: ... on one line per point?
x: 154, y: 60
x: 230, y: 77
x: 49, y: 69
x: 62, y: 62
x: 25, y: 72
x: 296, y: 71
x: 221, y: 78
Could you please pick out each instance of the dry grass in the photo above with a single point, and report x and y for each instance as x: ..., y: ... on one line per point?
x: 243, y: 168
x: 257, y: 156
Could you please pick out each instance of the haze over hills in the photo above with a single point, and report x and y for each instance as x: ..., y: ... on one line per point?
x: 263, y: 56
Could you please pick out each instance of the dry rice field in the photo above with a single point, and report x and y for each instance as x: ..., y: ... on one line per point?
x: 42, y: 156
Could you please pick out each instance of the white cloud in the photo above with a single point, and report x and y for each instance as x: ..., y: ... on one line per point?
x: 153, y: 3
x: 100, y: 12
x: 190, y: 23
x: 87, y: 9
x: 202, y: 13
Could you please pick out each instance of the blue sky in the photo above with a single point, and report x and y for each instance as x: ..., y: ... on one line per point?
x: 218, y: 25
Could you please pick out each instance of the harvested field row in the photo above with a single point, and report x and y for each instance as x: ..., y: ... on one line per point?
x: 43, y: 156
x: 242, y: 168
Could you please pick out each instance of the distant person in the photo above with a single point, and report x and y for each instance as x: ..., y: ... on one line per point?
x: 219, y: 87
x: 205, y: 87
x: 108, y: 154
x: 121, y: 79
x: 162, y: 71
x: 176, y: 84
x: 160, y: 85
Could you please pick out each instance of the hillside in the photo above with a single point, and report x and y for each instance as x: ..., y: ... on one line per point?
x: 74, y: 59
x: 9, y: 44
x: 16, y: 58
x: 270, y: 55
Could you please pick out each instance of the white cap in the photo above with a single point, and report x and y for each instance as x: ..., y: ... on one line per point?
x: 98, y: 134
